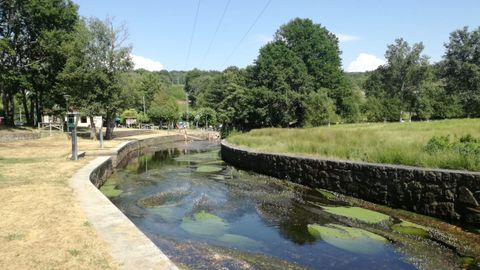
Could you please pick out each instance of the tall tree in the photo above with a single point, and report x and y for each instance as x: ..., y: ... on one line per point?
x: 98, y: 58
x: 461, y: 69
x: 30, y: 34
x: 318, y: 49
x: 398, y: 83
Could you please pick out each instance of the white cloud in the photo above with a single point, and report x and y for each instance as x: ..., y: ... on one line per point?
x: 365, y: 62
x: 146, y: 63
x: 346, y: 38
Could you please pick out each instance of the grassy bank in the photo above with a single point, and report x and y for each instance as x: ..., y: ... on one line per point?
x: 392, y: 143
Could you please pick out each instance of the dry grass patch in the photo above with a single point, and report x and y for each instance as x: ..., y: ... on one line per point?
x: 42, y: 226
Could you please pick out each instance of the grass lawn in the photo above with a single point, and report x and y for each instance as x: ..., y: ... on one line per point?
x: 41, y: 224
x: 392, y: 143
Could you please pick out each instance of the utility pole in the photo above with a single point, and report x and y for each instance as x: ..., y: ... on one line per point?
x: 186, y: 94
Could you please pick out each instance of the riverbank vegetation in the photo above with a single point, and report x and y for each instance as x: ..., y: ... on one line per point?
x: 450, y: 144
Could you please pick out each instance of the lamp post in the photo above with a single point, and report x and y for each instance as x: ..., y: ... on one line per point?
x: 67, y: 97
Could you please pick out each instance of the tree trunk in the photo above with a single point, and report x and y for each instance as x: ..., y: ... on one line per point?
x: 39, y: 107
x: 6, y: 108
x: 32, y: 110
x: 11, y: 112
x: 110, y: 120
x: 25, y: 107
x: 93, y: 129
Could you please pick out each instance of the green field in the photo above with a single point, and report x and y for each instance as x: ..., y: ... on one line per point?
x: 392, y: 143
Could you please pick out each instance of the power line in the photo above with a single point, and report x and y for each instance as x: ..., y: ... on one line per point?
x: 193, y: 34
x: 248, y: 31
x: 215, y: 33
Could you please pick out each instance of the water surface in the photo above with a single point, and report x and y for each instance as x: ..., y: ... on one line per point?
x: 206, y: 215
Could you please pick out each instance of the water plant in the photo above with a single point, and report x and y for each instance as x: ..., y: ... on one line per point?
x: 407, y: 227
x: 204, y: 224
x: 239, y: 240
x: 348, y: 238
x: 326, y: 194
x: 209, y: 169
x: 110, y: 190
x: 160, y: 198
x: 361, y: 214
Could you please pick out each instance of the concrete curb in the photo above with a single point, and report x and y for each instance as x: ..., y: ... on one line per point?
x: 127, y: 244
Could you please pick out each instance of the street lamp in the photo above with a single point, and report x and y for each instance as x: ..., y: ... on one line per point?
x: 67, y: 97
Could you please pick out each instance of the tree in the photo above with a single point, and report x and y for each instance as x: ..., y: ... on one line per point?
x: 318, y: 49
x: 30, y: 34
x: 93, y: 71
x: 163, y: 108
x: 279, y: 69
x: 320, y: 109
x: 461, y: 69
x: 398, y: 83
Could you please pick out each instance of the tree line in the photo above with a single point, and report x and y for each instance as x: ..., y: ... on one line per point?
x: 51, y: 59
x: 297, y: 81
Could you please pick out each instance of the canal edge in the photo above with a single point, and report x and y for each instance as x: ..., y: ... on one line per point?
x: 127, y: 245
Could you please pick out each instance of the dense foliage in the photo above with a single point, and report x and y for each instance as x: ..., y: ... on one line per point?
x: 297, y: 81
x: 50, y: 58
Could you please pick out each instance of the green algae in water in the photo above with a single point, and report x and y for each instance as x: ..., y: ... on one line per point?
x: 326, y: 194
x: 209, y: 169
x: 239, y: 240
x: 407, y: 227
x: 358, y: 213
x: 347, y: 238
x: 468, y: 262
x: 110, y: 190
x: 166, y: 213
x: 163, y: 197
x: 199, y: 157
x: 204, y: 224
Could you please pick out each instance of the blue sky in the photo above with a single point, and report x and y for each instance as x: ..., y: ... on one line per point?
x: 160, y: 31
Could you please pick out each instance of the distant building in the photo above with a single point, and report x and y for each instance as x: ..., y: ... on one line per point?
x: 83, y: 121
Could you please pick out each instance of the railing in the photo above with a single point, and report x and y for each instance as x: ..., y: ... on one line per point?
x: 56, y: 127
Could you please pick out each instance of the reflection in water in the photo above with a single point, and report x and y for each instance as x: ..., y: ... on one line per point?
x: 206, y: 215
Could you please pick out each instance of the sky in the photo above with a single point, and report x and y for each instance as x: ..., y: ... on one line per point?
x: 215, y: 34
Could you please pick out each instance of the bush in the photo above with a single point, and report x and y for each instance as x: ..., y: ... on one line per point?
x: 436, y: 144
x: 465, y: 145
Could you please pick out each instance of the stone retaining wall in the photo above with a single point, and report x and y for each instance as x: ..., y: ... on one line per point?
x: 20, y: 136
x: 448, y: 194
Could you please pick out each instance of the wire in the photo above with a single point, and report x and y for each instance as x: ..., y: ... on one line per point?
x: 193, y: 34
x: 248, y: 31
x: 215, y: 33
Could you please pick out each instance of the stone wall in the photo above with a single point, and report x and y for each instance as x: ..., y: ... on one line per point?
x: 20, y: 136
x: 448, y: 194
x: 126, y: 151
